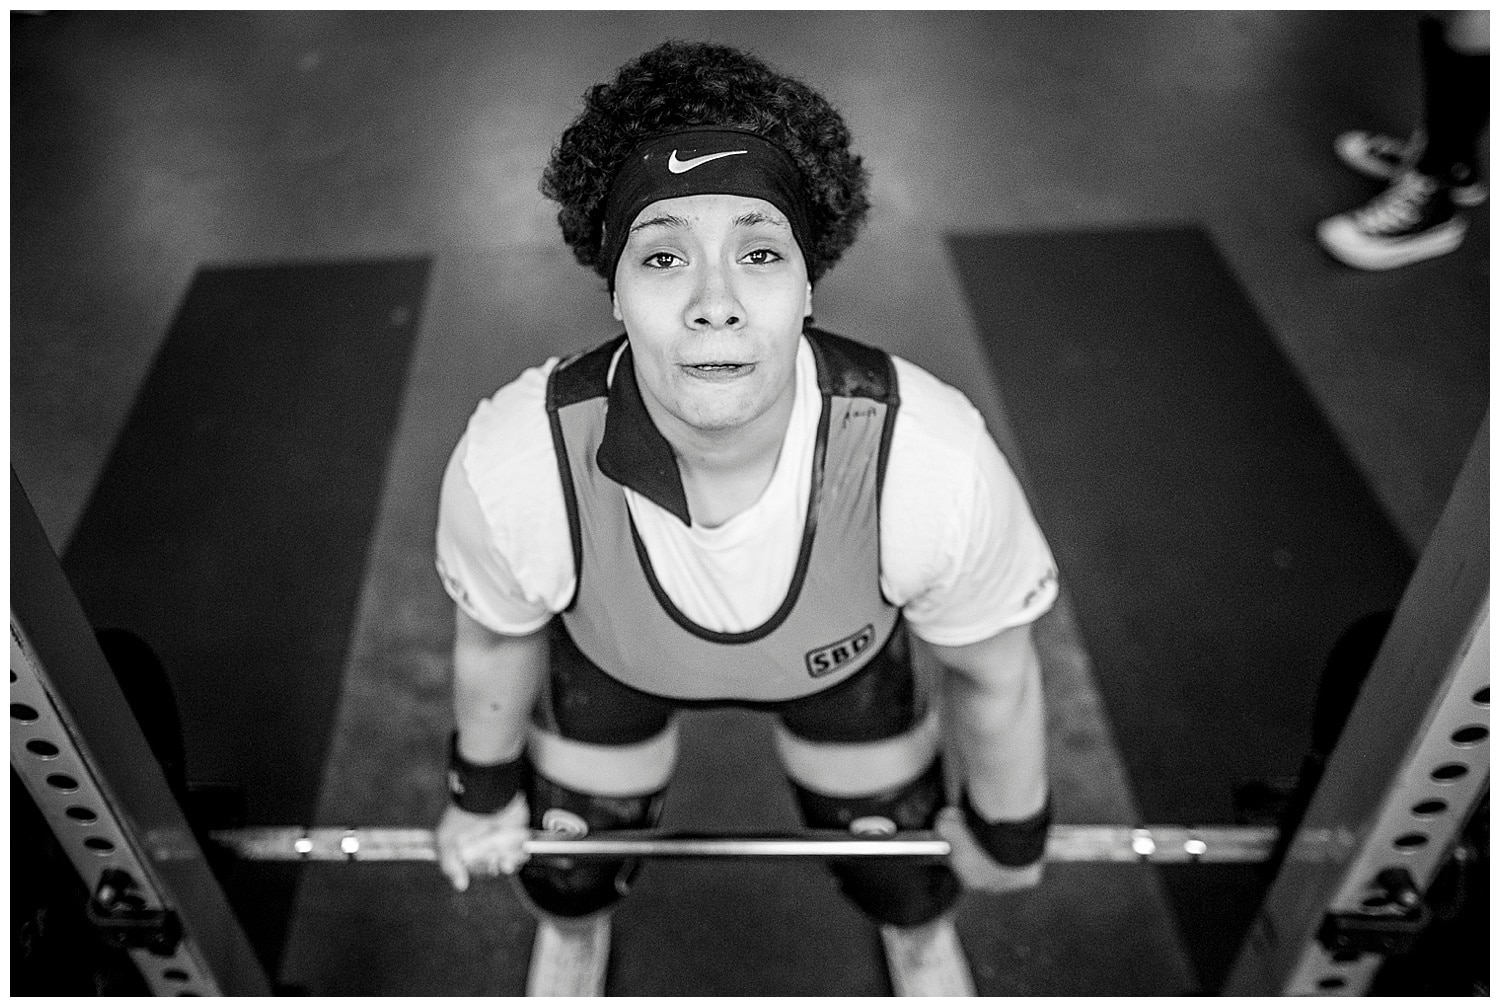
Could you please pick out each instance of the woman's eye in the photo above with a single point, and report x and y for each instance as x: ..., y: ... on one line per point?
x: 661, y: 260
x: 762, y: 257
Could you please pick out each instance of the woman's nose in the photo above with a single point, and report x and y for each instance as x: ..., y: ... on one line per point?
x: 715, y: 305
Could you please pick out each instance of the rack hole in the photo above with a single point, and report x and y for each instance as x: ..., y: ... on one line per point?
x: 63, y: 782
x: 82, y: 815
x: 1376, y: 902
x: 1482, y: 697
x: 1471, y: 735
x: 25, y: 714
x: 1429, y: 809
x: 1410, y: 841
x: 42, y: 749
x: 99, y: 845
x: 1331, y: 983
x: 1450, y: 771
x: 176, y: 975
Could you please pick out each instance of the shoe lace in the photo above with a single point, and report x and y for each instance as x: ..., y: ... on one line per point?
x: 1387, y: 147
x: 1400, y: 206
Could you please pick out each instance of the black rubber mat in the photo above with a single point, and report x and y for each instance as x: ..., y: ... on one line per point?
x: 1208, y: 523
x: 230, y: 525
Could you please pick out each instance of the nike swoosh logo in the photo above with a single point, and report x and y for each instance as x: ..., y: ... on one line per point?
x: 677, y: 167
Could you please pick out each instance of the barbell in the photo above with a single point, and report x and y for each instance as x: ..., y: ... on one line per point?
x: 1163, y: 844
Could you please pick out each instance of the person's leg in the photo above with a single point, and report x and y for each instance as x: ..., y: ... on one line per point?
x: 863, y: 756
x: 1414, y: 218
x: 1456, y: 95
x: 601, y: 755
x: 1454, y: 50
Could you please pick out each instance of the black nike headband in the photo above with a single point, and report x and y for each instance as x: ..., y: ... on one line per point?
x: 697, y: 162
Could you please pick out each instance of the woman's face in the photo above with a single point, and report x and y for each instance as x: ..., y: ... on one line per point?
x: 713, y: 291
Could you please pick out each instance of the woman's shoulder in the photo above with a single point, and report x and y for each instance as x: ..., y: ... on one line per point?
x: 934, y: 421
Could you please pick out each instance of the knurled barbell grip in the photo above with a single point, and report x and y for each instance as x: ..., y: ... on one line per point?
x: 645, y: 844
x: 1065, y: 843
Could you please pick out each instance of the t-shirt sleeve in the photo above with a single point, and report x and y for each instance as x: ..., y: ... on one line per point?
x: 1002, y: 571
x: 474, y: 571
x: 976, y: 562
x: 503, y: 551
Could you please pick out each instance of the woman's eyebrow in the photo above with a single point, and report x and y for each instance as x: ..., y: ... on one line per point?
x: 756, y: 217
x: 666, y: 220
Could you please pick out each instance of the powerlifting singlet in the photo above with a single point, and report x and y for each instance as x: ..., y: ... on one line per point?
x: 833, y: 619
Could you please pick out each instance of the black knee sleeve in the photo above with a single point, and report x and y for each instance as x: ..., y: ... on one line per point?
x: 565, y: 887
x: 889, y: 891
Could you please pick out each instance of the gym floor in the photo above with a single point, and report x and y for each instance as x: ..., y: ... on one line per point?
x: 149, y: 148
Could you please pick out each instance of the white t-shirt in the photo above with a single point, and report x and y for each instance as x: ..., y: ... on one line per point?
x: 960, y: 550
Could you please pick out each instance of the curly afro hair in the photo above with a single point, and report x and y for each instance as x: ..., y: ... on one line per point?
x: 679, y: 85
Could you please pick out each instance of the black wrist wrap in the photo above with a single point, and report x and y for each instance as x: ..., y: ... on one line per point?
x: 1014, y: 844
x: 482, y: 790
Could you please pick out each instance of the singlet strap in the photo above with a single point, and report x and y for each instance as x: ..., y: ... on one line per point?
x: 582, y: 376
x: 854, y: 370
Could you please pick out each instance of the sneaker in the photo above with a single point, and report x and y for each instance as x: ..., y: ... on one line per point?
x: 569, y: 957
x: 927, y: 960
x: 1378, y: 155
x: 1410, y: 221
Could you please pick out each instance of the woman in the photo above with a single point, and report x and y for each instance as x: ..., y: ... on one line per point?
x: 726, y: 505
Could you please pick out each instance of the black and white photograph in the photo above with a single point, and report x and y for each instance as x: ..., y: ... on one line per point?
x: 749, y: 503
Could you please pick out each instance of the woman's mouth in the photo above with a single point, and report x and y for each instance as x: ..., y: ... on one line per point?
x: 718, y: 370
